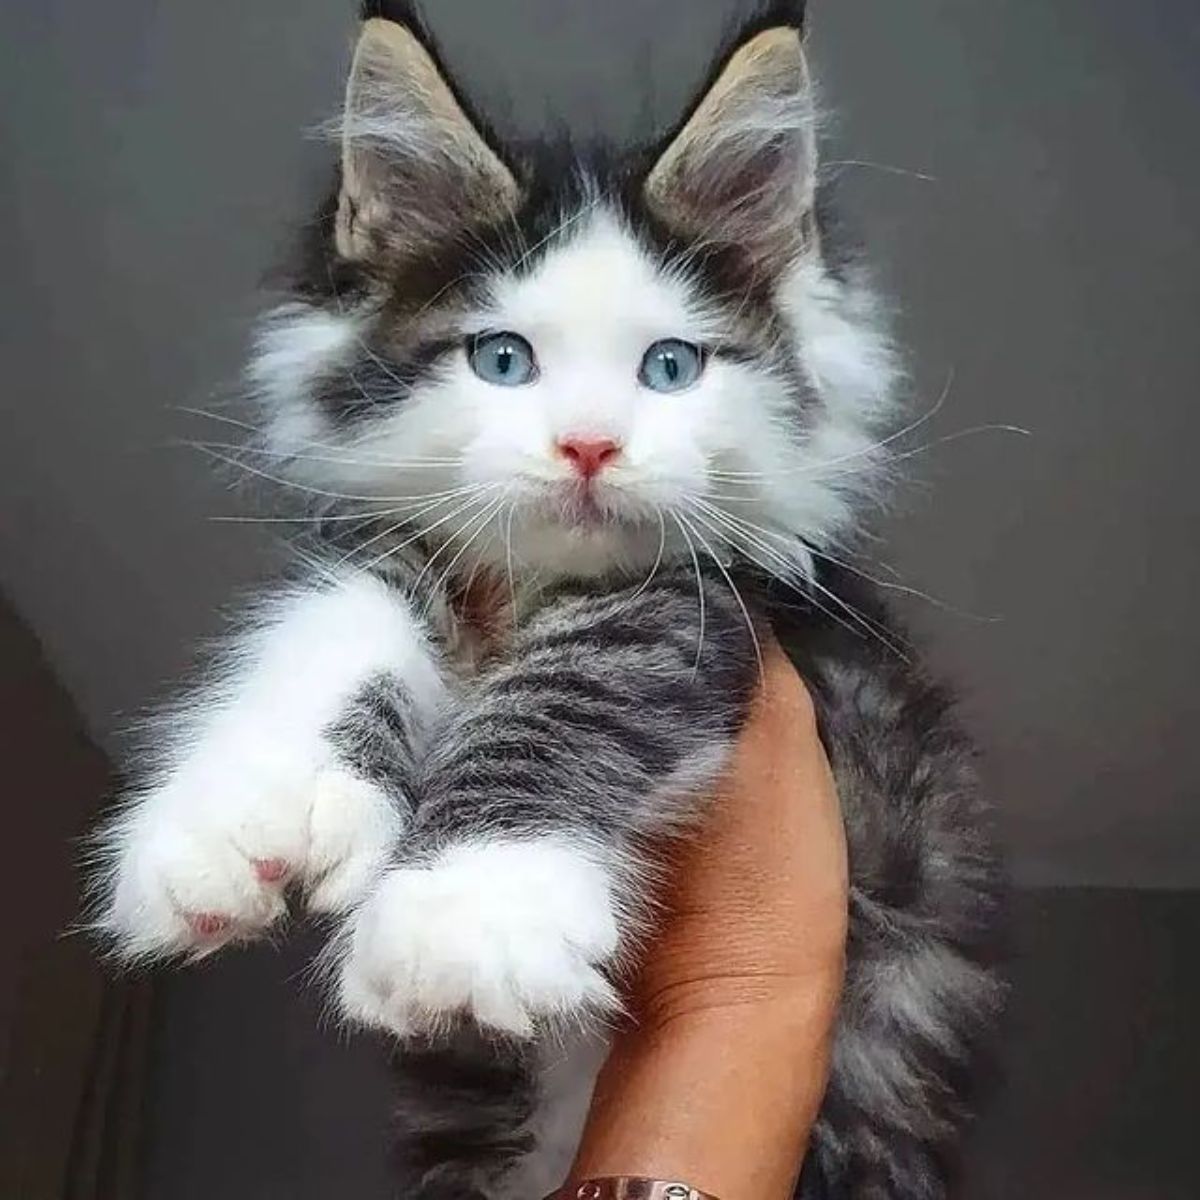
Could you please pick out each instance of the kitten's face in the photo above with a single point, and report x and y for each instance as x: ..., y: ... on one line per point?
x: 585, y: 379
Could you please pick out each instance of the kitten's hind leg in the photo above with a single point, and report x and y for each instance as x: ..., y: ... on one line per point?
x: 464, y: 1106
x: 486, y: 1118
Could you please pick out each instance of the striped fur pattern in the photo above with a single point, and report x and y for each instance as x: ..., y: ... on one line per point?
x: 500, y: 675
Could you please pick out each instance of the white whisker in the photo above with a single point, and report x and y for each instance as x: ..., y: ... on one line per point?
x: 345, y: 457
x: 901, y: 588
x: 221, y: 417
x: 476, y: 525
x: 448, y: 541
x: 560, y: 228
x: 508, y: 560
x: 662, y: 545
x: 886, y: 168
x: 793, y: 570
x: 864, y: 451
x: 291, y: 483
x: 356, y: 516
x: 699, y: 588
x: 420, y: 533
x: 736, y: 595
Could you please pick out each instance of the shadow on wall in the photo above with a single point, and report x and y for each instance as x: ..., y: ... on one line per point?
x: 73, y: 1043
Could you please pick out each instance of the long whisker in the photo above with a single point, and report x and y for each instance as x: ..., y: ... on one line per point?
x: 958, y: 434
x: 789, y: 567
x: 391, y: 551
x: 470, y: 582
x: 328, y: 452
x: 355, y: 516
x: 699, y: 588
x: 561, y: 227
x: 662, y: 545
x: 925, y: 447
x: 346, y: 458
x: 292, y: 483
x: 410, y: 503
x: 409, y: 515
x: 791, y: 571
x: 886, y: 168
x: 221, y: 417
x: 508, y: 560
x: 873, y: 448
x: 476, y: 525
x: 736, y: 595
x: 774, y: 573
x: 447, y: 543
x: 901, y: 588
x: 871, y: 627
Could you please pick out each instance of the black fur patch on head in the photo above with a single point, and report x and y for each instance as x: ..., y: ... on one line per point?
x: 315, y: 272
x: 403, y: 12
x: 372, y: 383
x: 782, y: 12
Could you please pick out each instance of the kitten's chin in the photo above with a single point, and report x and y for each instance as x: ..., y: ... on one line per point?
x: 583, y: 545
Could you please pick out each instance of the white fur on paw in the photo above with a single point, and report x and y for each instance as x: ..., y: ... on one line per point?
x: 206, y: 859
x: 508, y: 933
x: 352, y: 831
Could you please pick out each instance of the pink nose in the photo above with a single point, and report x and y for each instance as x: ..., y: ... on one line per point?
x: 588, y: 456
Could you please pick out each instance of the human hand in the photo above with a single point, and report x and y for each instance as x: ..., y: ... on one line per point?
x: 719, y: 1076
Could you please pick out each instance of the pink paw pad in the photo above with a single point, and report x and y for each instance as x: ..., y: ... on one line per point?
x: 208, y: 925
x: 270, y: 870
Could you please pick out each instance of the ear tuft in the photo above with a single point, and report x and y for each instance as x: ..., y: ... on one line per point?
x: 415, y: 169
x: 742, y: 170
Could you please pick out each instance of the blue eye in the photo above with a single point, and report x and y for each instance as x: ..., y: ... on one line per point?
x: 505, y: 359
x: 671, y: 365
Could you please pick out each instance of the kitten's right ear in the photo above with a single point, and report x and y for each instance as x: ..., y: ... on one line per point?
x: 415, y: 170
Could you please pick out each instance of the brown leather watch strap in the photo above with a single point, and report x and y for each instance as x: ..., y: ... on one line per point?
x: 625, y: 1187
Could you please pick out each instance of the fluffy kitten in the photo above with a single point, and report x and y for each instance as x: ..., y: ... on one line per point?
x: 629, y: 402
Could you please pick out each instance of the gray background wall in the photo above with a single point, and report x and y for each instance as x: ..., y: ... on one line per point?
x: 152, y: 163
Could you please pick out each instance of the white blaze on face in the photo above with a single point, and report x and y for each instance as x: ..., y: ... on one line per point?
x: 590, y: 310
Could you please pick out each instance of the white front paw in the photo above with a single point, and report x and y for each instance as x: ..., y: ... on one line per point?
x: 206, y: 858
x: 507, y: 933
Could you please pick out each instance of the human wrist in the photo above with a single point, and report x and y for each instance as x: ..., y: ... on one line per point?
x: 750, y: 1005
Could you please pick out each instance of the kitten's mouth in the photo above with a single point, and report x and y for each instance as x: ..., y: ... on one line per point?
x: 582, y: 506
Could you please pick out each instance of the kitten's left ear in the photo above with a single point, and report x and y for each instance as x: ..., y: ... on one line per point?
x: 416, y: 172
x: 742, y: 170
